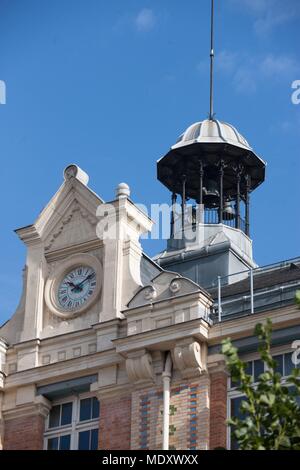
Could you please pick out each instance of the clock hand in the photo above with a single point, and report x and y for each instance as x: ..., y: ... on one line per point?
x: 86, y: 279
x: 70, y: 283
x: 82, y: 282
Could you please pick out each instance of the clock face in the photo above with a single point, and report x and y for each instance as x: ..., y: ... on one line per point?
x: 76, y: 288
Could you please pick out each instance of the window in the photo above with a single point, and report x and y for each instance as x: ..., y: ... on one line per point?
x: 61, y: 415
x: 89, y: 409
x: 284, y: 366
x: 73, y: 424
x: 88, y: 440
x: 235, y: 411
x: 256, y: 367
x: 60, y: 442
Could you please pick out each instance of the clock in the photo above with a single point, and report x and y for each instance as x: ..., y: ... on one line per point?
x: 77, y: 287
x: 74, y: 286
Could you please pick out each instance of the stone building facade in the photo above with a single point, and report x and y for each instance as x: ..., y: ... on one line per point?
x: 83, y: 359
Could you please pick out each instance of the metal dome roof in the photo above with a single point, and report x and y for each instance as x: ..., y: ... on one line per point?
x: 210, y: 141
x: 211, y: 131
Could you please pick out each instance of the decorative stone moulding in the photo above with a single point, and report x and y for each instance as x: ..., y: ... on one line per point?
x: 167, y: 285
x: 175, y: 286
x: 39, y: 406
x: 74, y: 171
x: 150, y: 293
x: 75, y: 208
x: 139, y: 368
x: 190, y: 358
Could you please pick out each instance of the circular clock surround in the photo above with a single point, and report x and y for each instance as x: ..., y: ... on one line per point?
x: 60, y: 275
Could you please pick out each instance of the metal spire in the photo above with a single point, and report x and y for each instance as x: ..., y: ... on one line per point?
x: 212, y: 55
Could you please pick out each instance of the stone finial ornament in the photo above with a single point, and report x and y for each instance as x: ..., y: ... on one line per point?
x: 122, y: 191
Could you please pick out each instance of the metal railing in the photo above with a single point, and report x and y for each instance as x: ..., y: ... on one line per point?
x: 207, y: 216
x: 253, y: 300
x: 211, y: 216
x: 220, y: 294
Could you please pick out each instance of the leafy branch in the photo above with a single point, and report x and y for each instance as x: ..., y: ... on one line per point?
x: 270, y: 412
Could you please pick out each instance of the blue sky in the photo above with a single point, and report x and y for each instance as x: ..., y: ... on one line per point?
x: 111, y: 85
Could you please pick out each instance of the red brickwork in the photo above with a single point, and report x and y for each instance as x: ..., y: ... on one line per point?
x: 189, y: 416
x: 218, y: 410
x: 115, y: 424
x: 25, y: 433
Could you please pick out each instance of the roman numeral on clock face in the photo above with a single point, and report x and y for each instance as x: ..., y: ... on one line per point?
x: 76, y: 288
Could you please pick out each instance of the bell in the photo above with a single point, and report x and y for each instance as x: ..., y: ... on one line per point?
x: 228, y: 211
x: 211, y: 194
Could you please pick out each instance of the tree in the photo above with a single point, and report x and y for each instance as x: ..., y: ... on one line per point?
x: 298, y: 297
x: 271, y: 414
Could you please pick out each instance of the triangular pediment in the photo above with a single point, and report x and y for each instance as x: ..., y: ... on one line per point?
x: 69, y: 218
x: 77, y: 225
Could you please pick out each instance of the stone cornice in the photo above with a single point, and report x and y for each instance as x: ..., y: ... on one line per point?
x: 41, y: 406
x: 107, y: 325
x: 70, y: 368
x: 217, y: 363
x: 113, y: 391
x: 3, y: 342
x: 27, y: 344
x: 79, y: 248
x: 51, y: 340
x: 29, y: 235
x: 162, y: 338
x: 125, y: 207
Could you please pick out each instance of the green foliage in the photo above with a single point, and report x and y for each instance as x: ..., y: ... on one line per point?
x: 172, y: 430
x: 298, y: 297
x: 271, y: 415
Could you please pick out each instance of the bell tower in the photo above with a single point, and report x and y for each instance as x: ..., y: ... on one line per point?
x: 211, y: 171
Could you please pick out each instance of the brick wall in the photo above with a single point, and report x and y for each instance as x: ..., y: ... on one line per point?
x: 189, y: 416
x: 218, y: 410
x: 115, y: 424
x: 197, y: 421
x: 24, y: 433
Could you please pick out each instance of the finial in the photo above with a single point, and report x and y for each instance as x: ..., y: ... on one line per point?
x: 212, y: 56
x: 122, y: 191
